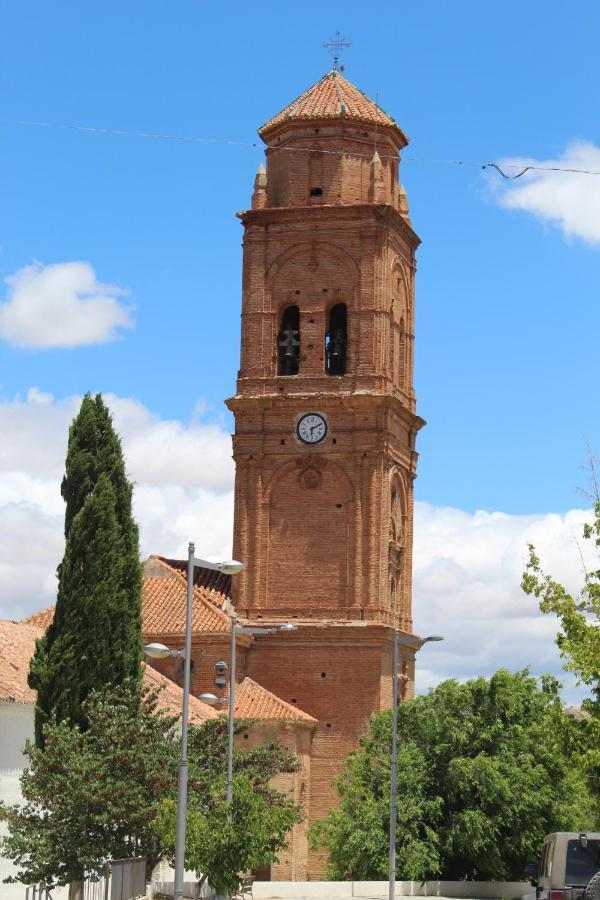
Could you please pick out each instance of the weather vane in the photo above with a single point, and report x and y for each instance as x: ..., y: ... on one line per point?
x: 335, y: 45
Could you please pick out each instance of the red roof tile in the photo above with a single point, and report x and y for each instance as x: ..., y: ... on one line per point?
x: 254, y: 702
x: 218, y: 584
x: 164, y: 597
x: 41, y: 619
x: 333, y: 97
x: 171, y: 695
x: 17, y: 643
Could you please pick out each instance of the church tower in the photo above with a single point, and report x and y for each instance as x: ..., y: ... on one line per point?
x: 325, y: 420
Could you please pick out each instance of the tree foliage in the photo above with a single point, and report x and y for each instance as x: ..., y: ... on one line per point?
x: 579, y: 636
x: 220, y: 849
x: 486, y: 769
x: 95, y: 637
x: 94, y: 794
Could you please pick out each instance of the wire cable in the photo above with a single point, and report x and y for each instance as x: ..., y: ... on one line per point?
x: 255, y: 145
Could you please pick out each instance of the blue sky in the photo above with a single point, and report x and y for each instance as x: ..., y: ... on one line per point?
x: 506, y: 306
x: 507, y: 287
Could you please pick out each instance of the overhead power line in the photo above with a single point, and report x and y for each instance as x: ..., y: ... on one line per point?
x: 255, y: 145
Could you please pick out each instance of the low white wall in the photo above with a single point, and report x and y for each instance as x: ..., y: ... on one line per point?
x: 466, y: 890
x: 10, y: 792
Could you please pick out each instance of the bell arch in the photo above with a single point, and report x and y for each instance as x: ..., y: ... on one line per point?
x: 316, y: 251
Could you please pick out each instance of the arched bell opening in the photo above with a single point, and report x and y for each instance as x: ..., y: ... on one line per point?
x: 336, y: 340
x: 288, y: 342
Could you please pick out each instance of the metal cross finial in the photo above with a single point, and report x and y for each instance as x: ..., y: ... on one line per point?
x: 335, y: 45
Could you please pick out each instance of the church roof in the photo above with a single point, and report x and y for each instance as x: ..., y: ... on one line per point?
x: 42, y: 619
x: 171, y: 695
x: 255, y: 702
x: 333, y: 97
x: 17, y: 643
x: 217, y: 585
x: 164, y: 596
x: 164, y: 604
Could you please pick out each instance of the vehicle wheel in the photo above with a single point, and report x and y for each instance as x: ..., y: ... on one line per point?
x: 592, y: 891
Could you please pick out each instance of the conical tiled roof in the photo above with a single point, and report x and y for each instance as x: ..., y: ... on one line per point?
x: 333, y: 97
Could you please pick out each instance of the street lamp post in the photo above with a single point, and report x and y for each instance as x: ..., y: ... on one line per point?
x: 159, y: 651
x: 210, y: 698
x: 413, y: 641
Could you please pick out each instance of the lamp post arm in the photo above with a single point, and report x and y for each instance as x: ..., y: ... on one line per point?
x: 205, y: 564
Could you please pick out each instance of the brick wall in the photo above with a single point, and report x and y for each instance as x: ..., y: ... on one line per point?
x: 296, y: 736
x: 338, y: 674
x: 325, y: 530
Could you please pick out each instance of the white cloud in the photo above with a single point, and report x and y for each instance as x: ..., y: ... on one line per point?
x: 467, y: 566
x: 61, y: 305
x: 183, y: 475
x: 566, y: 200
x: 467, y: 574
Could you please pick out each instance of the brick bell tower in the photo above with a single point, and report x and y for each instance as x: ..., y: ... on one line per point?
x: 325, y: 420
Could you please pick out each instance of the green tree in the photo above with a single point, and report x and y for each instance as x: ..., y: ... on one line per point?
x: 219, y: 849
x: 95, y: 637
x: 578, y: 638
x: 94, y: 794
x: 486, y: 769
x: 579, y: 615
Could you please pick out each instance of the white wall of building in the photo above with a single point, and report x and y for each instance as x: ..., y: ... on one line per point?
x: 16, y: 726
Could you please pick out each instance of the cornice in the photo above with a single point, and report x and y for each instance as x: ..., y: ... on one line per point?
x: 356, y: 400
x: 312, y: 633
x: 380, y: 213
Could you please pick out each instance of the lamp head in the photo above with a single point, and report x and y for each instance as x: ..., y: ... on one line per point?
x: 230, y: 567
x: 433, y: 637
x: 211, y: 699
x: 157, y: 651
x: 289, y: 626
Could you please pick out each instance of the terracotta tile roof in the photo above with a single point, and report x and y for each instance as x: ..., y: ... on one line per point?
x: 216, y: 583
x: 40, y: 619
x: 254, y: 702
x: 17, y: 643
x: 332, y: 97
x: 170, y: 697
x: 163, y: 608
x: 164, y: 594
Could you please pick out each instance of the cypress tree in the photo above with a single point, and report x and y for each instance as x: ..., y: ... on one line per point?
x: 95, y: 638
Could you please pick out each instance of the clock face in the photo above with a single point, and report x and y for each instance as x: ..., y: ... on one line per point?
x: 311, y: 428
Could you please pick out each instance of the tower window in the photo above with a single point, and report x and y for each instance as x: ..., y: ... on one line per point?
x: 316, y: 192
x: 336, y: 340
x: 288, y: 342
